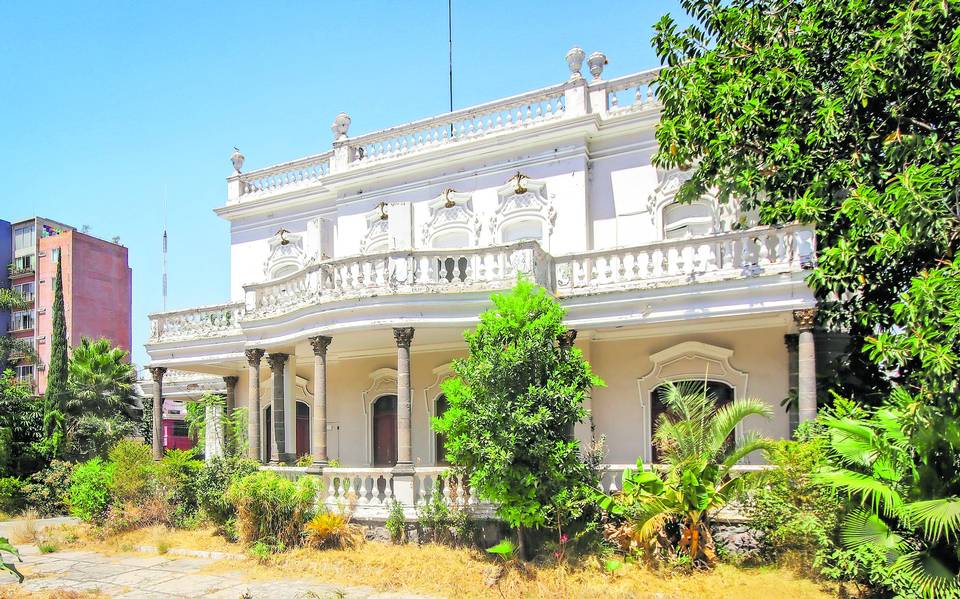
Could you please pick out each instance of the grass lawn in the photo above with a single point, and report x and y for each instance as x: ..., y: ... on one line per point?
x: 453, y: 572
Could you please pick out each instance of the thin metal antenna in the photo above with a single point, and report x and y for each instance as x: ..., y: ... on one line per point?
x: 164, y: 249
x: 450, y: 53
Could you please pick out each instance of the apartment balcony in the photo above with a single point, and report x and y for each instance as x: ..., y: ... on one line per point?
x: 569, y: 106
x: 418, y: 278
x: 20, y: 271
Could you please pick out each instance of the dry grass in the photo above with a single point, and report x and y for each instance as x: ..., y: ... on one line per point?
x: 24, y: 532
x: 204, y: 539
x: 16, y: 593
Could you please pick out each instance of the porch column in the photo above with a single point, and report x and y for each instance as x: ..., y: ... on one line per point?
x: 403, y: 336
x: 320, y: 344
x: 231, y: 402
x: 253, y: 407
x: 157, y: 372
x: 213, y: 442
x: 806, y: 364
x: 278, y: 447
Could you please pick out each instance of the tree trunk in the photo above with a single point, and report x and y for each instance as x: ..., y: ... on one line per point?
x: 522, y: 543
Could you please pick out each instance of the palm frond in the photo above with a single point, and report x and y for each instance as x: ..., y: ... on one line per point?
x: 928, y: 575
x: 864, y: 527
x: 876, y: 493
x: 726, y: 419
x: 939, y: 518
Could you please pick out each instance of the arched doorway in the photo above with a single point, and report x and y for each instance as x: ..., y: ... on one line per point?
x: 440, y: 439
x: 303, y: 428
x: 385, y: 431
x: 722, y: 391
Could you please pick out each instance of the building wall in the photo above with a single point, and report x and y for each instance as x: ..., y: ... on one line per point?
x: 6, y: 257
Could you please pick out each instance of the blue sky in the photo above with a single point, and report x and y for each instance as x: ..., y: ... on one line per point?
x: 109, y: 107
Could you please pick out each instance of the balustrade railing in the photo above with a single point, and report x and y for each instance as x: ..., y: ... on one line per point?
x: 288, y: 175
x: 357, y: 489
x: 632, y: 92
x: 205, y: 321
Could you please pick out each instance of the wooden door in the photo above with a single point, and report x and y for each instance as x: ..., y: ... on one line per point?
x: 385, y: 431
x: 303, y: 429
x: 267, y: 434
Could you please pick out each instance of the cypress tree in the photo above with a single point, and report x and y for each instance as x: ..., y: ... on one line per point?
x: 56, y: 393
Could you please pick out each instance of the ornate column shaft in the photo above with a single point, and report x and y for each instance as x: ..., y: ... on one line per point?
x: 278, y: 445
x: 231, y: 402
x: 806, y: 364
x: 157, y: 372
x: 253, y: 407
x: 320, y: 344
x: 403, y: 336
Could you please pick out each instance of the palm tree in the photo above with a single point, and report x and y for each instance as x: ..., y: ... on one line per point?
x: 101, y: 381
x: 694, y: 441
x: 875, y: 462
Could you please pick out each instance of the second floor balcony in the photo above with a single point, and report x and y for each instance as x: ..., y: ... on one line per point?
x: 419, y: 275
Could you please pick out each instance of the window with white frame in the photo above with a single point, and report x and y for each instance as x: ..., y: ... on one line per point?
x: 21, y: 320
x: 687, y: 220
x: 55, y: 255
x: 25, y: 289
x: 23, y: 238
x: 23, y: 262
x: 25, y: 372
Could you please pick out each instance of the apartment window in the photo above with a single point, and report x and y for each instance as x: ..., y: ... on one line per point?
x: 25, y: 372
x: 181, y: 428
x: 23, y: 238
x: 25, y: 289
x: 23, y: 262
x: 21, y: 320
x: 55, y: 255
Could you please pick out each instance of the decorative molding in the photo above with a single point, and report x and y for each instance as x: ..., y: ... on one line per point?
x: 384, y: 382
x: 254, y: 356
x: 403, y: 336
x: 377, y: 237
x: 451, y: 211
x: 320, y: 344
x: 523, y: 199
x: 805, y: 318
x: 157, y: 373
x: 276, y: 361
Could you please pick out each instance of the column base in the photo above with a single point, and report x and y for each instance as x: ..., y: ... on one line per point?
x: 403, y: 469
x: 318, y: 466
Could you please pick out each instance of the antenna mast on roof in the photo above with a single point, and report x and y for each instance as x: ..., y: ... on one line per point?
x: 450, y: 53
x: 164, y: 249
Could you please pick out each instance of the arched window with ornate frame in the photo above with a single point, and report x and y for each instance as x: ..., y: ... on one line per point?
x: 524, y: 212
x: 286, y: 256
x: 377, y: 237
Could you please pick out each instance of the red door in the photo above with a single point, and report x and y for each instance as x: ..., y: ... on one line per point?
x: 303, y: 429
x: 385, y: 431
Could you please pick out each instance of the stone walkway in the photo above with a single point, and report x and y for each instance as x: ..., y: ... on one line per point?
x: 141, y: 576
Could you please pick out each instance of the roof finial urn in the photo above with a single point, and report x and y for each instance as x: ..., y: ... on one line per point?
x: 596, y: 62
x: 575, y: 58
x: 237, y: 159
x: 340, y: 126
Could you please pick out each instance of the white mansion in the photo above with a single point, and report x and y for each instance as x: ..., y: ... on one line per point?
x: 354, y: 273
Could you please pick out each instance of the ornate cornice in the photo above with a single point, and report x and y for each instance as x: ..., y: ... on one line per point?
x: 805, y: 318
x: 231, y: 381
x: 157, y: 373
x: 403, y: 336
x: 276, y: 361
x: 320, y: 344
x: 567, y: 338
x: 254, y: 356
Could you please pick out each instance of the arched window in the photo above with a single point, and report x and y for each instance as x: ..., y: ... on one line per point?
x: 523, y: 230
x: 440, y: 439
x: 687, y: 220
x: 721, y: 391
x: 385, y: 431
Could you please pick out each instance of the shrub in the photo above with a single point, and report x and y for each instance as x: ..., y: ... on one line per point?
x: 48, y: 547
x: 11, y: 495
x: 90, y: 490
x: 396, y: 523
x: 134, y: 469
x: 48, y: 491
x: 332, y: 530
x: 177, y: 477
x: 433, y: 515
x: 212, y: 482
x: 271, y: 508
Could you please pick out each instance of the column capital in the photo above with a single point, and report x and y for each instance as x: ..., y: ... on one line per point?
x: 403, y: 336
x: 805, y: 318
x: 567, y: 338
x: 157, y: 373
x: 254, y: 356
x: 320, y: 344
x: 277, y: 360
x: 231, y: 381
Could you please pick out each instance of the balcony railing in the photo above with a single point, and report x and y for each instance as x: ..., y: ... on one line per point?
x: 736, y: 255
x: 537, y: 108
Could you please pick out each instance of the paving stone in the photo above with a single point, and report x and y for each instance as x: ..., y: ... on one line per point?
x: 142, y: 578
x: 49, y: 566
x: 144, y: 561
x: 88, y: 571
x: 185, y: 565
x: 94, y: 586
x: 141, y: 594
x: 194, y: 585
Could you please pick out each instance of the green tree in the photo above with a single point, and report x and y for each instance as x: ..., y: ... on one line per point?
x: 696, y: 440
x: 512, y: 408
x: 21, y: 427
x: 9, y: 346
x: 57, y: 393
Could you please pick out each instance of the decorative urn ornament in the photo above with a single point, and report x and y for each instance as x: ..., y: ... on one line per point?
x: 340, y: 126
x: 597, y: 61
x: 575, y: 58
x: 237, y: 159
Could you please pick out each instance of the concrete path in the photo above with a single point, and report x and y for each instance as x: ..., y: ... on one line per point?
x: 142, y: 576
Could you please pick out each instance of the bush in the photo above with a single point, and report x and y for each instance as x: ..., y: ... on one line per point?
x: 48, y: 491
x: 90, y: 490
x: 433, y: 516
x: 396, y: 523
x: 177, y: 478
x: 272, y: 509
x: 332, y: 530
x: 134, y: 471
x: 11, y: 495
x: 212, y: 482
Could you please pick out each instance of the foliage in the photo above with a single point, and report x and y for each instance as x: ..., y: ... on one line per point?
x: 332, y: 530
x: 57, y: 392
x: 21, y: 427
x: 48, y: 546
x: 396, y: 523
x: 11, y: 495
x: 271, y: 508
x: 512, y: 408
x: 90, y: 490
x: 101, y: 381
x: 177, y: 477
x: 792, y: 512
x: 235, y: 427
x: 197, y: 424
x: 433, y: 515
x: 6, y: 547
x: 133, y: 471
x: 92, y: 436
x: 872, y: 460
x: 213, y: 480
x: 10, y: 346
x: 693, y: 437
x: 48, y: 491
